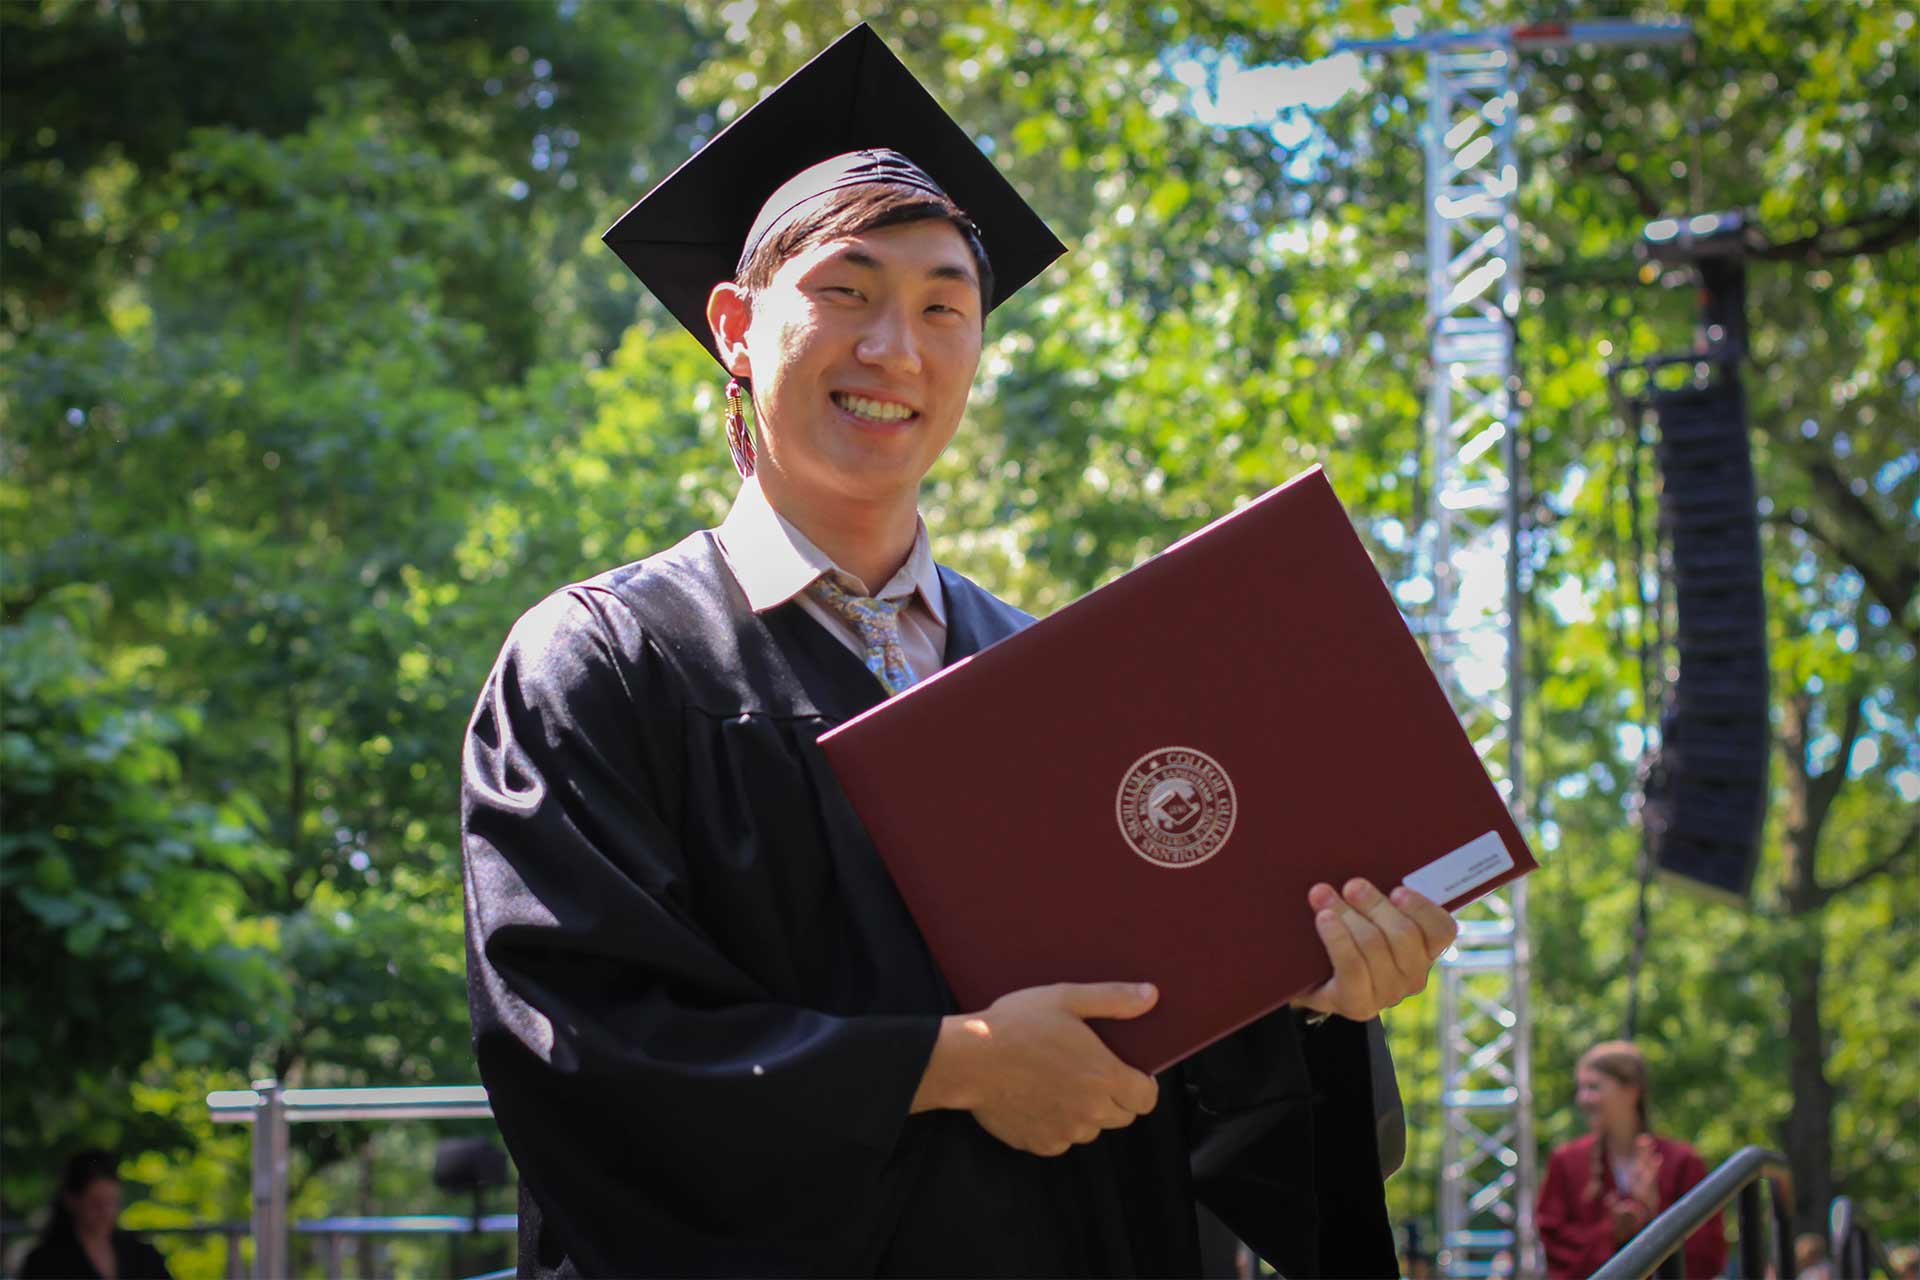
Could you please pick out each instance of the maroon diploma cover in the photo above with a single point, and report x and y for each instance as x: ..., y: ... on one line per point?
x: 1145, y: 785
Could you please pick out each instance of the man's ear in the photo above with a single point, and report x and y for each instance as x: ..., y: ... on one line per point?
x: 729, y: 311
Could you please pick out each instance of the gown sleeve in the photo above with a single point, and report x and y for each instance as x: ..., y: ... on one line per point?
x: 651, y: 1091
x: 1286, y: 1149
x: 1576, y: 1243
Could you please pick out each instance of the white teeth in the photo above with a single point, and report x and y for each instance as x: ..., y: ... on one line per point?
x: 877, y: 410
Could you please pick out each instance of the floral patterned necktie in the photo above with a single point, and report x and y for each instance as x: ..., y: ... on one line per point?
x: 876, y: 621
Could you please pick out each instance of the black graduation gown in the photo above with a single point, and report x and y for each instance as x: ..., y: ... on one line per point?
x: 63, y: 1257
x: 701, y: 1009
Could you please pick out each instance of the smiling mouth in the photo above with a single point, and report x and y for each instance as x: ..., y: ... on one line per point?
x: 872, y: 410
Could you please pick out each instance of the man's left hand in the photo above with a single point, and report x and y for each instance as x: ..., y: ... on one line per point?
x: 1382, y: 947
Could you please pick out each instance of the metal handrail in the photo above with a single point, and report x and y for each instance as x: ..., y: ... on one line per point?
x: 310, y: 1106
x: 1851, y: 1244
x: 411, y: 1224
x: 1740, y: 1175
x: 270, y: 1109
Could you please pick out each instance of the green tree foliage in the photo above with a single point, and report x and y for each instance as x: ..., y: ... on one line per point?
x: 315, y: 377
x: 264, y: 435
x: 121, y: 889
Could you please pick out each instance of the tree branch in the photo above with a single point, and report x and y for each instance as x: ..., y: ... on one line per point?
x: 1795, y: 519
x: 1889, y: 230
x: 1643, y: 196
x: 1858, y: 529
x: 1908, y: 842
x: 1648, y: 203
x: 1592, y: 272
x: 1824, y: 786
x: 1794, y: 719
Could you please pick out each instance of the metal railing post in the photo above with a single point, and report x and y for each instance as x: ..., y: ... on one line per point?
x: 236, y: 1258
x: 1841, y: 1239
x: 269, y: 1182
x: 1753, y: 1254
x: 1786, y: 1264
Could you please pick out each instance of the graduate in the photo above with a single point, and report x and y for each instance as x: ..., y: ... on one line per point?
x: 714, y: 1040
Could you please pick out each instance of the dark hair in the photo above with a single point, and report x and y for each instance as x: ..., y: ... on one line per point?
x: 852, y: 211
x: 83, y: 1169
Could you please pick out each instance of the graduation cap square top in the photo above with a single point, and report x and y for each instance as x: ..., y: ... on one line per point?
x: 686, y: 235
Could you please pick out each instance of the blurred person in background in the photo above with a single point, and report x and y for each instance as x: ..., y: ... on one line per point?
x: 82, y: 1238
x: 1810, y: 1257
x: 1600, y: 1190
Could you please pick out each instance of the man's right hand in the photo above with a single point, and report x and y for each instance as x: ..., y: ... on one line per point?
x: 1034, y: 1074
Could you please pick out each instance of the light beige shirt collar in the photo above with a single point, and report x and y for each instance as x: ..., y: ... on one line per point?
x: 774, y: 562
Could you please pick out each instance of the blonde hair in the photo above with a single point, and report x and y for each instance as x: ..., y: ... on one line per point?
x: 1621, y: 1062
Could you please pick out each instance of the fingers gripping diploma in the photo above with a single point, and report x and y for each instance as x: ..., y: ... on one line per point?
x: 1034, y: 1074
x: 1382, y: 947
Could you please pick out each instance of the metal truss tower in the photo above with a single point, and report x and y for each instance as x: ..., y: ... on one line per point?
x: 1469, y: 565
x: 1467, y: 549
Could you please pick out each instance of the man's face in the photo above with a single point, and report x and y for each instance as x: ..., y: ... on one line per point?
x: 862, y: 353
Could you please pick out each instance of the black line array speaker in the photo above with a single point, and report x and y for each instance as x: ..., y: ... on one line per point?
x: 1706, y: 792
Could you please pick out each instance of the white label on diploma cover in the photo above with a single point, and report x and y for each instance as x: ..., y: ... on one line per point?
x: 1462, y: 871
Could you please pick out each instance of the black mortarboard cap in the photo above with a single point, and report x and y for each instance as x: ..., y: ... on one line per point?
x: 685, y: 236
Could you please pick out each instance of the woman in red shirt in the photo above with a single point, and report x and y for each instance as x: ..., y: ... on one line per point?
x: 1601, y: 1189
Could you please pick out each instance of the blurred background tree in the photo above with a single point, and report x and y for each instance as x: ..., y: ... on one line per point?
x: 315, y: 376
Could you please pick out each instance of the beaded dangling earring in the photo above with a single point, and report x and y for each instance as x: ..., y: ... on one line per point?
x: 739, y: 439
